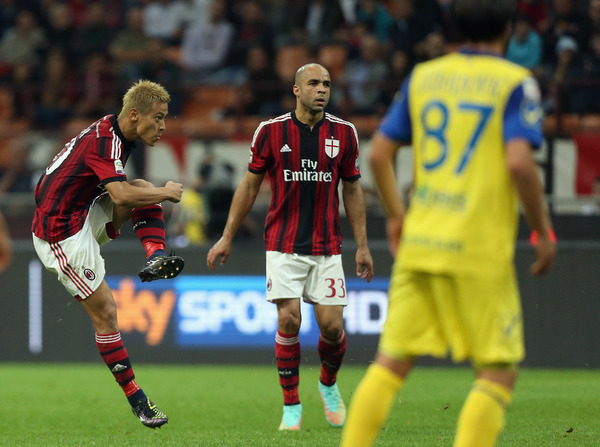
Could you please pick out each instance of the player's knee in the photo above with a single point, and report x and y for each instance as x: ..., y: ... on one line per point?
x: 332, y: 330
x: 289, y: 322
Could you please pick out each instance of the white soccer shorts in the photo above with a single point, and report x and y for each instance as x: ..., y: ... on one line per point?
x: 77, y: 260
x: 316, y: 279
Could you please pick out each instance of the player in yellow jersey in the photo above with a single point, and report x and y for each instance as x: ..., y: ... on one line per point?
x: 472, y: 118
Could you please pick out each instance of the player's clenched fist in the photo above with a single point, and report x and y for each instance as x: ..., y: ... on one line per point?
x: 175, y: 190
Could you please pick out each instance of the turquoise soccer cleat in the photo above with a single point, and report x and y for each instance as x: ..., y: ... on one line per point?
x: 292, y: 417
x: 335, y: 410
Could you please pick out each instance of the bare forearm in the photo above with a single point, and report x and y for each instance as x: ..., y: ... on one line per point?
x: 532, y: 198
x: 354, y: 204
x: 242, y: 203
x: 136, y: 197
x: 382, y: 159
x: 523, y: 171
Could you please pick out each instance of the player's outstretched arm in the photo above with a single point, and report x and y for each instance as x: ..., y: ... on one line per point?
x: 523, y: 171
x: 242, y: 203
x: 126, y: 194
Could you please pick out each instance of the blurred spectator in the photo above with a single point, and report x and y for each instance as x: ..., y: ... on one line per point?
x: 60, y: 29
x: 565, y: 20
x: 409, y: 28
x: 23, y: 88
x: 400, y: 65
x: 163, y: 69
x: 15, y: 175
x: 24, y: 42
x: 348, y: 8
x: 313, y: 22
x: 216, y: 183
x: 99, y: 96
x: 374, y: 15
x: 59, y: 93
x: 166, y: 20
x: 8, y: 15
x: 79, y: 10
x: 361, y: 79
x: 276, y: 14
x: 132, y: 50
x: 188, y: 220
x: 262, y: 91
x: 591, y: 64
x: 433, y: 46
x: 564, y: 96
x: 536, y: 10
x: 525, y: 45
x: 199, y: 10
x: 594, y: 16
x: 205, y: 47
x: 591, y: 72
x: 568, y: 60
x: 251, y: 30
x: 94, y: 34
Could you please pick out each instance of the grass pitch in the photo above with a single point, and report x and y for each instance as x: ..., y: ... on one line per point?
x: 81, y: 405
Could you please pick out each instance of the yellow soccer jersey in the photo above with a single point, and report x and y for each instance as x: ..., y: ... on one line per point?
x: 458, y: 111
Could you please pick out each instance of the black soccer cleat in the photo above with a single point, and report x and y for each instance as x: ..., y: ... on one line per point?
x: 150, y: 415
x: 161, y: 267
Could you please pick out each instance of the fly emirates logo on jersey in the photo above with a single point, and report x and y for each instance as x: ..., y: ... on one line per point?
x: 308, y: 173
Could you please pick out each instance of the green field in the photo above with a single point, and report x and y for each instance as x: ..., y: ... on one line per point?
x: 81, y: 405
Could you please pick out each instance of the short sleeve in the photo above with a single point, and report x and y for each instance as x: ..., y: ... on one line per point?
x: 396, y: 124
x: 523, y: 114
x: 351, y: 163
x: 99, y: 159
x: 258, y: 159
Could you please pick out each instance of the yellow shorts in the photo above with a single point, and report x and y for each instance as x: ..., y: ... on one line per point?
x: 475, y: 318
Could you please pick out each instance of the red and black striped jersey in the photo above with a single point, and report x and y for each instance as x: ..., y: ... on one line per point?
x: 76, y: 176
x: 304, y: 167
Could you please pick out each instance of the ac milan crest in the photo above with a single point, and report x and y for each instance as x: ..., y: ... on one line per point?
x: 332, y: 147
x: 89, y: 274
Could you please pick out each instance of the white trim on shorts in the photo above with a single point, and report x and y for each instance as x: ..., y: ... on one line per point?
x: 316, y: 279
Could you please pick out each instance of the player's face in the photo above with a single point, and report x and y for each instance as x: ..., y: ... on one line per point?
x: 314, y: 90
x: 151, y: 125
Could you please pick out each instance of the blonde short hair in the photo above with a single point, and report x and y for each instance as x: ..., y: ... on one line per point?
x: 143, y: 95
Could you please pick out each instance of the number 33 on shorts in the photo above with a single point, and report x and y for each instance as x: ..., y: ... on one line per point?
x: 336, y: 288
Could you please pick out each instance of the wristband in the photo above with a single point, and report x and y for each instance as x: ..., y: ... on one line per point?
x: 533, y: 238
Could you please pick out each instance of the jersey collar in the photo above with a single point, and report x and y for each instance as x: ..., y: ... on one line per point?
x: 306, y: 127
x: 115, y: 125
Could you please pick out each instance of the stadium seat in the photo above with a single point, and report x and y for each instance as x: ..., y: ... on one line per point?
x: 288, y: 59
x: 333, y: 57
x: 590, y: 122
x: 564, y: 124
x: 205, y: 100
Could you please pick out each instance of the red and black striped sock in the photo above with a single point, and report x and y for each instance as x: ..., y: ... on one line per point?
x: 115, y: 356
x: 331, y: 353
x: 149, y: 226
x: 287, y: 356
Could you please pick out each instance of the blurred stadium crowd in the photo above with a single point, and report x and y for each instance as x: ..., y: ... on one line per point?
x: 227, y: 60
